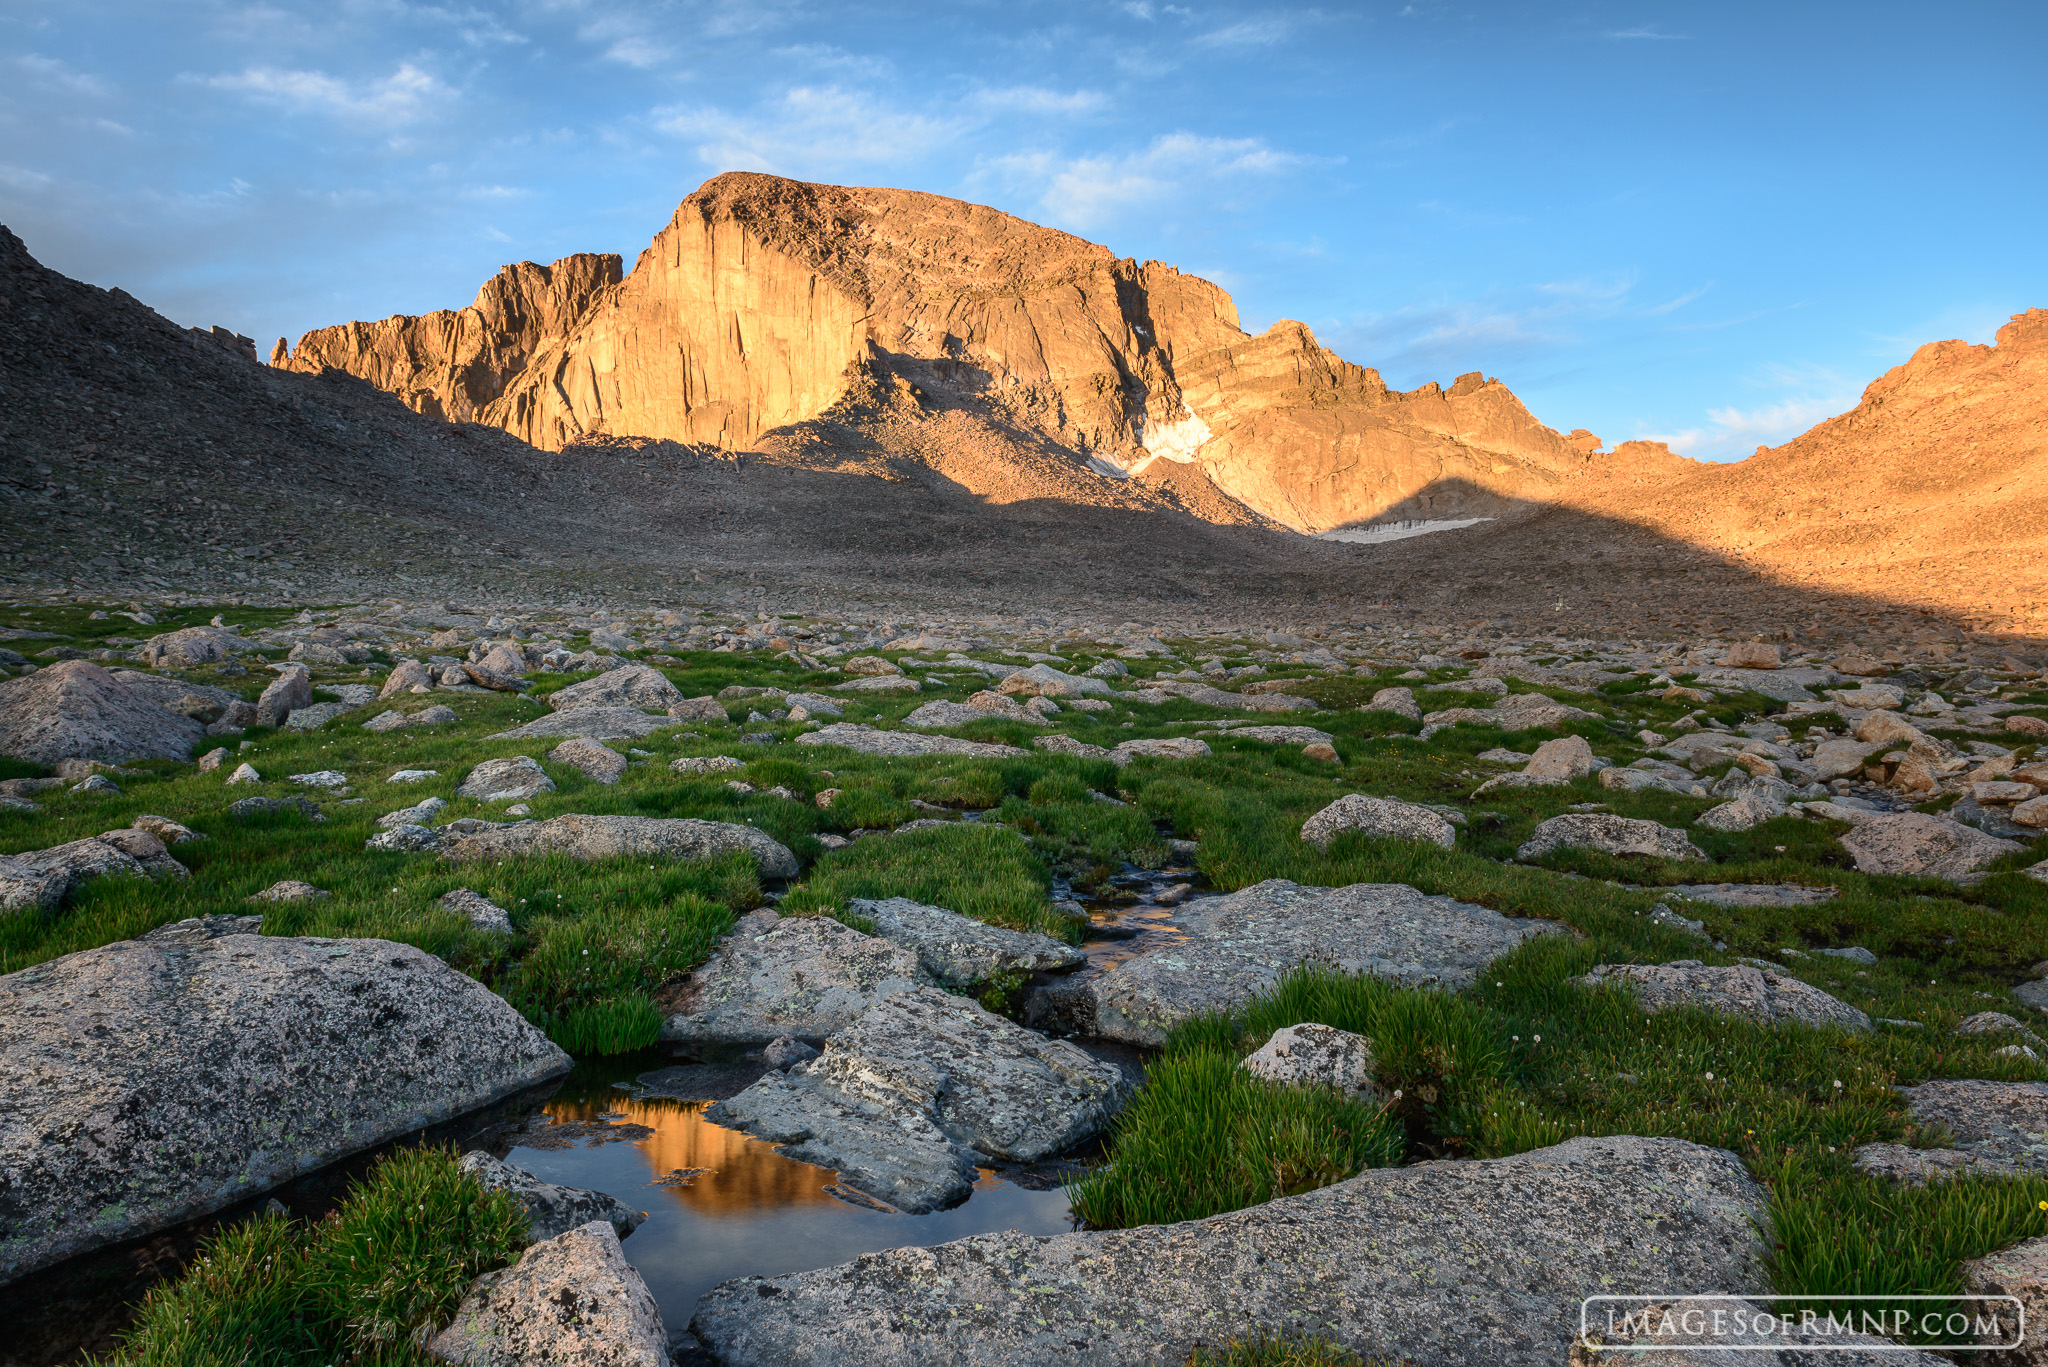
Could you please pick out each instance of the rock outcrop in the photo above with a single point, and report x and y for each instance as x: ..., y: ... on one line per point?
x: 1739, y: 990
x: 1398, y: 1264
x: 959, y: 951
x: 76, y: 710
x: 773, y: 975
x: 151, y: 1081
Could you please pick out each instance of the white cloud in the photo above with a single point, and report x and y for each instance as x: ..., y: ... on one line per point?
x: 406, y: 94
x: 51, y: 74
x: 810, y: 131
x: 1647, y: 32
x: 1082, y: 192
x: 1673, y: 305
x: 1032, y: 99
x: 1733, y: 433
x: 1262, y: 32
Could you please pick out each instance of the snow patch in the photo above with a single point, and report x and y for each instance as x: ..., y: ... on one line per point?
x: 1177, y: 440
x: 1398, y: 531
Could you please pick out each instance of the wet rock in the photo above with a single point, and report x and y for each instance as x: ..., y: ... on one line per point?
x: 867, y: 740
x: 598, y: 763
x: 1168, y: 747
x: 513, y: 779
x: 785, y: 1052
x: 593, y: 722
x: 1236, y: 946
x: 590, y: 838
x: 958, y: 950
x: 75, y: 708
x: 291, y: 690
x: 554, y: 1210
x: 1758, y: 994
x: 904, y: 1101
x: 1315, y: 1055
x: 1479, y: 1261
x: 1378, y: 817
x: 570, y: 1301
x: 1997, y: 1127
x: 289, y: 890
x: 481, y: 913
x: 634, y: 686
x: 1916, y: 843
x: 1608, y: 834
x: 135, y: 1094
x: 772, y: 975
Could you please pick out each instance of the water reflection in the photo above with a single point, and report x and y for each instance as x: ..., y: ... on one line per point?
x: 1121, y: 928
x: 751, y: 1212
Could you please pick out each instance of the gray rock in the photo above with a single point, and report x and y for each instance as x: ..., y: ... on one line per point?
x: 1166, y: 747
x: 706, y: 708
x: 1740, y: 814
x: 406, y: 676
x: 1994, y: 1023
x: 785, y: 1052
x: 590, y: 838
x: 165, y: 829
x: 880, y: 683
x: 939, y: 712
x: 195, y: 929
x: 1380, y: 817
x: 136, y: 1092
x: 190, y: 647
x: 24, y: 888
x: 1916, y: 843
x: 1563, y: 759
x: 1313, y: 1055
x: 570, y: 1301
x: 2000, y: 1128
x: 200, y: 702
x: 76, y: 709
x: 602, y: 638
x: 1237, y: 946
x: 1278, y: 735
x: 554, y: 1210
x: 772, y: 975
x: 597, y: 762
x: 419, y: 814
x: 291, y: 690
x: 1399, y: 701
x: 1475, y: 1262
x: 867, y: 740
x: 597, y: 723
x: 481, y: 913
x: 513, y: 779
x: 813, y: 705
x: 1755, y: 894
x: 39, y: 879
x: 1917, y: 1167
x: 1062, y: 744
x: 290, y: 890
x: 1759, y: 994
x: 266, y: 806
x: 316, y: 716
x: 906, y: 1099
x: 1609, y: 834
x: 958, y: 950
x: 706, y: 764
x: 635, y: 686
x: 2022, y: 1273
x: 1854, y: 954
x: 404, y: 839
x: 96, y: 783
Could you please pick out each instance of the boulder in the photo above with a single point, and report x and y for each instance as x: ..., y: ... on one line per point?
x: 480, y: 911
x: 1399, y: 701
x: 39, y: 879
x: 2020, y: 1272
x: 1740, y: 814
x: 590, y: 838
x: 958, y: 951
x: 165, y: 829
x: 136, y: 1092
x: 1002, y: 705
x: 1608, y: 834
x: 867, y: 740
x: 785, y: 1052
x: 881, y: 683
x: 1539, y: 712
x: 595, y: 723
x: 1313, y: 1055
x: 1476, y: 1262
x: 285, y: 694
x: 603, y: 638
x: 1561, y: 760
x: 1996, y: 1126
x: 597, y: 762
x: 1752, y: 655
x: 1886, y: 728
x: 940, y: 712
x: 706, y: 764
x: 314, y: 717
x: 404, y: 839
x: 1378, y: 817
x: 513, y: 779
x: 1741, y: 990
x: 1167, y: 747
x: 570, y: 1301
x: 773, y: 975
x: 27, y: 888
x: 552, y: 1209
x: 2032, y: 813
x: 869, y: 666
x: 190, y: 647
x: 498, y: 681
x: 1836, y: 758
x: 638, y: 686
x: 407, y: 676
x: 910, y: 1098
x: 1237, y: 946
x: 1042, y: 680
x: 76, y: 709
x: 1062, y: 744
x: 200, y: 702
x: 1916, y: 843
x: 419, y: 814
x: 2033, y: 728
x: 706, y: 708
x: 813, y: 705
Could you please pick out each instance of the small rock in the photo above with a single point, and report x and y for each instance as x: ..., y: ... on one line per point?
x: 324, y: 778
x: 786, y: 1051
x: 1740, y: 814
x: 1378, y: 817
x: 596, y: 761
x: 245, y: 774
x: 706, y: 764
x: 589, y: 838
x: 1566, y: 758
x: 506, y: 780
x: 1608, y: 834
x: 289, y: 691
x: 1853, y: 953
x: 1399, y: 701
x: 572, y: 1300
x: 289, y: 890
x: 481, y: 913
x: 1170, y: 747
x: 404, y: 839
x: 1752, y: 655
x: 958, y: 951
x: 265, y: 806
x: 1759, y: 994
x: 97, y: 783
x: 1317, y: 1056
x: 212, y: 759
x: 1320, y: 750
x: 417, y: 815
x: 553, y: 1210
x: 413, y: 775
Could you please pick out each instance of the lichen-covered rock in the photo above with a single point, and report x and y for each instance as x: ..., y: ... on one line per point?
x: 1399, y: 701
x: 1999, y: 1128
x: 1610, y: 835
x: 1312, y: 1055
x: 480, y: 911
x: 513, y: 779
x: 404, y: 838
x: 552, y: 1209
x: 1563, y: 759
x: 190, y: 647
x: 1739, y: 990
x: 773, y: 975
x: 75, y: 709
x: 785, y: 1052
x: 151, y: 1081
x: 570, y: 1301
x: 1740, y: 813
x: 590, y: 838
x: 1476, y: 1262
x: 1377, y: 816
x: 290, y: 890
x: 959, y: 950
x: 867, y: 740
x: 2022, y: 1273
x: 25, y: 888
x: 1916, y: 843
x: 291, y: 690
x: 637, y: 686
x: 1165, y: 747
x: 597, y: 723
x: 706, y: 764
x: 39, y: 879
x: 1277, y: 735
x: 597, y: 762
x: 905, y: 1100
x: 1237, y: 946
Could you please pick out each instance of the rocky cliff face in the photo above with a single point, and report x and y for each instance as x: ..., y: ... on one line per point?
x: 765, y: 302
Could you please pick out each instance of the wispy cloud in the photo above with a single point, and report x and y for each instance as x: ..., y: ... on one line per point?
x: 1647, y: 32
x: 1673, y: 305
x: 1260, y: 32
x: 1086, y: 191
x: 403, y: 96
x: 51, y: 74
x: 810, y: 130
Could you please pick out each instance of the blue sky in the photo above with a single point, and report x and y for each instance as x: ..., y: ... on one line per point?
x: 1713, y: 223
